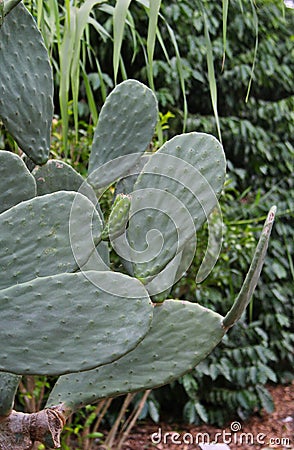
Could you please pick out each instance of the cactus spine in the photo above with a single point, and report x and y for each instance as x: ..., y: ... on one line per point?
x: 101, y: 333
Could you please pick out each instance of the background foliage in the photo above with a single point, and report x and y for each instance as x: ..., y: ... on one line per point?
x: 258, y: 139
x: 253, y: 65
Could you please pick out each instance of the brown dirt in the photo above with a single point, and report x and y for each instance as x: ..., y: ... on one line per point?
x: 262, y: 432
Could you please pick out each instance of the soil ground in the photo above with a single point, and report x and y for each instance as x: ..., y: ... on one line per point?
x: 261, y: 432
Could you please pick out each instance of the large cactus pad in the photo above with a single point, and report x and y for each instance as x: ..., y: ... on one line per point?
x: 172, y: 197
x: 181, y: 335
x: 71, y: 322
x: 47, y: 235
x: 124, y: 131
x: 26, y: 87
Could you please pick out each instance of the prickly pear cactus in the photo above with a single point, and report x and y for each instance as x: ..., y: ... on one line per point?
x: 63, y: 310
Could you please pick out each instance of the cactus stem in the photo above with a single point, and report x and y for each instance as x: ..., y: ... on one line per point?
x: 253, y: 274
x: 20, y: 431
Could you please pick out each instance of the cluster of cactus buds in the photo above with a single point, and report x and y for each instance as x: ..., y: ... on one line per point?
x: 63, y: 310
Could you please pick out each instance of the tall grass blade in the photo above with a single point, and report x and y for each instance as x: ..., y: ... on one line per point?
x: 211, y: 75
x: 108, y: 9
x: 161, y: 42
x: 52, y: 33
x: 102, y: 84
x: 82, y: 17
x: 123, y: 69
x: 119, y: 20
x: 131, y: 24
x: 151, y: 37
x: 180, y: 72
x: 145, y: 4
x: 70, y: 53
x: 90, y: 96
x: 39, y: 12
x: 100, y: 29
x: 225, y: 21
x: 255, y: 22
x: 65, y: 57
x: 67, y: 7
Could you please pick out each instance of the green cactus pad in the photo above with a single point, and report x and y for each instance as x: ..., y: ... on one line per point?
x: 174, y: 194
x: 58, y: 176
x: 71, y: 322
x: 8, y: 386
x: 253, y: 274
x: 181, y: 335
x: 16, y: 182
x: 47, y: 235
x: 26, y: 87
x: 125, y: 128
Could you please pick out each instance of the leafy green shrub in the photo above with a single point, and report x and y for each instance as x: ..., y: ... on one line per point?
x: 258, y: 139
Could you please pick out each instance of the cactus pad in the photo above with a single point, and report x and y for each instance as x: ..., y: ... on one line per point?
x: 181, y: 335
x: 253, y: 274
x: 53, y: 325
x: 173, y: 195
x: 26, y: 87
x: 16, y: 182
x: 125, y: 128
x: 47, y: 235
